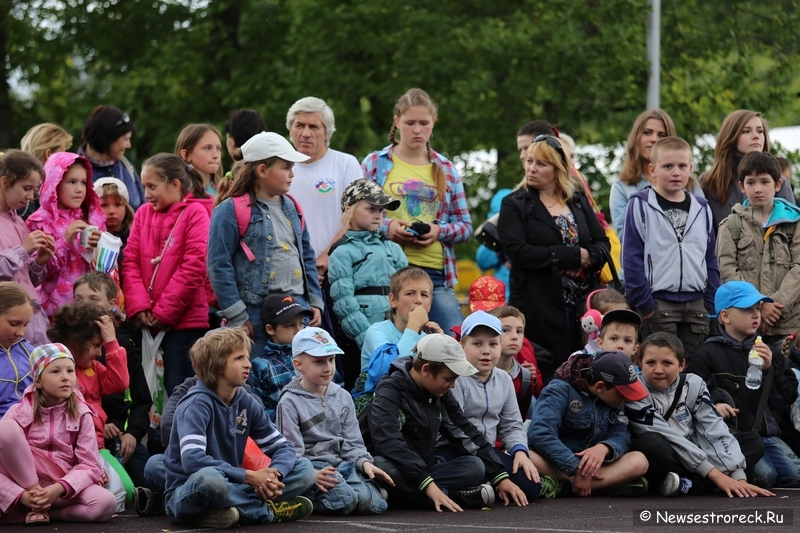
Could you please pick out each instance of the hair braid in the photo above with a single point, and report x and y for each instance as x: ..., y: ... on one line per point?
x: 785, y: 346
x: 392, y: 132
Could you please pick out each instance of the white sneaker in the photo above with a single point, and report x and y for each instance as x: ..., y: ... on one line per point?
x: 218, y: 518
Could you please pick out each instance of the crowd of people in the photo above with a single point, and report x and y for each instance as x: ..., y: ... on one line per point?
x: 254, y: 346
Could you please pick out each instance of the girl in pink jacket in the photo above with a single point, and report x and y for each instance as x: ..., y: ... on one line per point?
x: 24, y: 255
x: 49, y: 464
x: 165, y: 262
x: 68, y: 205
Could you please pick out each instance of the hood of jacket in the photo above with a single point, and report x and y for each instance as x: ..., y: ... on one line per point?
x: 49, y: 213
x: 207, y: 202
x: 571, y: 371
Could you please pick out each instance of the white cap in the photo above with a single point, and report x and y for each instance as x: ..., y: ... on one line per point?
x: 445, y: 349
x: 267, y: 144
x: 315, y: 342
x: 121, y: 187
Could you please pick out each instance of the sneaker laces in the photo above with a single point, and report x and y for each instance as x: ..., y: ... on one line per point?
x: 284, y: 510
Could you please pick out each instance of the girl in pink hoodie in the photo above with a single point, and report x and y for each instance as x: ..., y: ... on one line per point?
x: 165, y: 262
x: 49, y: 464
x: 68, y: 206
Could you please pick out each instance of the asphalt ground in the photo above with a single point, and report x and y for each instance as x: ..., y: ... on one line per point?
x: 570, y: 515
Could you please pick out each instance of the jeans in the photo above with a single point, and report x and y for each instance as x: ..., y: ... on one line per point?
x: 135, y: 467
x: 466, y: 471
x: 445, y: 309
x: 154, y: 473
x: 352, y: 493
x: 779, y: 467
x: 208, y: 488
x: 177, y: 365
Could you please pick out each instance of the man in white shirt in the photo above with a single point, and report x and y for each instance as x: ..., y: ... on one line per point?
x: 319, y: 182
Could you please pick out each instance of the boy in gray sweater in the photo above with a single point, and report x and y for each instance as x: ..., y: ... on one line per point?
x: 318, y: 417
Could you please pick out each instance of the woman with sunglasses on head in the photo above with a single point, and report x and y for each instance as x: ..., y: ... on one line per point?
x: 556, y: 247
x: 106, y: 135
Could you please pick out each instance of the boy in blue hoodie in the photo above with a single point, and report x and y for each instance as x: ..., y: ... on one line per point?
x: 757, y: 244
x: 205, y: 483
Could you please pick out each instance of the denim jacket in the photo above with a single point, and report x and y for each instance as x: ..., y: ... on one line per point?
x: 238, y: 282
x: 566, y: 421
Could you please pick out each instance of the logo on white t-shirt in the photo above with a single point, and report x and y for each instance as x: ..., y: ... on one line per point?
x: 324, y: 187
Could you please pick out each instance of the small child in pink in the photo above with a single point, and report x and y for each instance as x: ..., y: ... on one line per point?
x: 49, y: 463
x: 68, y: 204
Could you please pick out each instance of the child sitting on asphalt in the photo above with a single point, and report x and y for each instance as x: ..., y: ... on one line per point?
x: 692, y: 452
x: 318, y: 417
x: 206, y: 485
x: 576, y: 434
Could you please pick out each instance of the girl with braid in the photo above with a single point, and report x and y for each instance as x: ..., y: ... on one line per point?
x: 433, y: 215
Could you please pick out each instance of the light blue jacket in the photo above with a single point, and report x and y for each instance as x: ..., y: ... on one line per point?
x: 361, y: 260
x: 238, y: 282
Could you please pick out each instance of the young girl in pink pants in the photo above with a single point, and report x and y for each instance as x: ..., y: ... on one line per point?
x: 49, y: 463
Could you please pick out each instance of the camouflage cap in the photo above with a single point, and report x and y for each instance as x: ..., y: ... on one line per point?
x: 364, y: 189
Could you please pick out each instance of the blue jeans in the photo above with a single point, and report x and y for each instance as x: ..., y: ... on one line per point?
x: 208, y: 488
x: 462, y: 473
x: 135, y: 467
x: 352, y: 493
x: 445, y: 310
x: 177, y: 365
x: 259, y: 334
x: 779, y: 467
x: 154, y: 473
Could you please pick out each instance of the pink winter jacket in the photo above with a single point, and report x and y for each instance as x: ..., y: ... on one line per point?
x: 178, y: 299
x: 70, y: 444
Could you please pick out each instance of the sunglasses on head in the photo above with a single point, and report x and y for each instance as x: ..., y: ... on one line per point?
x: 553, y: 143
x: 124, y: 119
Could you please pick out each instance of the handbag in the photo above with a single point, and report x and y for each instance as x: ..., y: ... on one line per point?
x: 488, y: 235
x: 153, y: 366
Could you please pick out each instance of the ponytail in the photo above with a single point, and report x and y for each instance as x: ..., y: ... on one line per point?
x: 170, y: 167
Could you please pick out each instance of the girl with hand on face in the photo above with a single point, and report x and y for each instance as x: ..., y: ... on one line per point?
x: 742, y: 132
x: 165, y: 262
x: 24, y: 255
x: 431, y: 192
x: 69, y: 205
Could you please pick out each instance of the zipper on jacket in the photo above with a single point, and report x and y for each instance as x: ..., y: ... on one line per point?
x: 50, y: 439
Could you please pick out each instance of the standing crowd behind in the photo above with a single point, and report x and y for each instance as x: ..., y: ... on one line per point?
x: 254, y: 346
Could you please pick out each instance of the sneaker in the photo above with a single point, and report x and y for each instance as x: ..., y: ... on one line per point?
x: 637, y: 487
x: 384, y: 494
x: 474, y: 497
x: 218, y: 518
x: 550, y: 487
x: 674, y: 485
x: 291, y: 509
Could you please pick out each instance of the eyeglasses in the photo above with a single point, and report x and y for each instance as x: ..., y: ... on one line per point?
x: 124, y: 119
x: 553, y: 143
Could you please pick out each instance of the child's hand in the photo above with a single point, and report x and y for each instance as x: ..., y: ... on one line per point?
x: 265, y: 482
x: 725, y: 410
x: 431, y: 237
x: 372, y: 471
x: 417, y: 318
x: 592, y: 459
x: 326, y: 479
x: 316, y: 320
x: 440, y: 499
x: 521, y: 460
x: 508, y: 490
x: 581, y: 485
x: 74, y: 228
x: 142, y: 319
x: 248, y: 326
x: 107, y: 331
x: 432, y: 327
x: 47, y: 496
x: 111, y: 431
x: 157, y: 324
x: 397, y: 232
x: 771, y: 313
x: 765, y: 353
x: 127, y: 445
x: 36, y: 240
x: 94, y: 238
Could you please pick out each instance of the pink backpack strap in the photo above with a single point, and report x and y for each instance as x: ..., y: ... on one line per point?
x: 242, y: 210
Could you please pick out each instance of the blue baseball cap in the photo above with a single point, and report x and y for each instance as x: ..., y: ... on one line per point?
x: 739, y: 294
x: 481, y: 318
x: 315, y: 342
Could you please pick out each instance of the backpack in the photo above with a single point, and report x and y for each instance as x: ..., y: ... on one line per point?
x: 379, y: 363
x: 242, y: 209
x: 735, y: 227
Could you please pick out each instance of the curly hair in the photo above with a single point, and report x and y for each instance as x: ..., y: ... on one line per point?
x: 75, y: 326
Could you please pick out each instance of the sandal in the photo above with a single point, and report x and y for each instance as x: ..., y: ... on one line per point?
x: 37, y: 518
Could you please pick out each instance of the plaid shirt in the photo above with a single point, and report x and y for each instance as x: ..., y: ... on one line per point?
x: 453, y: 215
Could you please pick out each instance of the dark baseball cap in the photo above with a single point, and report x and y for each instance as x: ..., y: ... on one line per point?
x: 624, y: 316
x: 281, y: 309
x: 364, y: 189
x: 616, y: 369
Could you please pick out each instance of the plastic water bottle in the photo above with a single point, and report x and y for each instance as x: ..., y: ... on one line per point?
x: 753, y: 379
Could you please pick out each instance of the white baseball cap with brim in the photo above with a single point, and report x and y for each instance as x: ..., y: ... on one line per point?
x: 441, y: 348
x: 268, y: 144
x: 315, y: 342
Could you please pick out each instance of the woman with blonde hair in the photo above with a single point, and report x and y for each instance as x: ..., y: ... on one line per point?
x: 556, y: 247
x: 41, y: 141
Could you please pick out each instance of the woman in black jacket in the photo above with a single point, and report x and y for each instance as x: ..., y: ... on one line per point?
x: 556, y: 247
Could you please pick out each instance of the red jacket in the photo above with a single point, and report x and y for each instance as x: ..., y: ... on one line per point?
x: 177, y: 299
x: 100, y: 380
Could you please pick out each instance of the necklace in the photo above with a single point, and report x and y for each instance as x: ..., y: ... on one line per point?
x: 549, y: 207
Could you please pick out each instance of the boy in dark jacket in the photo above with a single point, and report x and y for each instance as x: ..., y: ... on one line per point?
x: 722, y: 362
x: 413, y: 405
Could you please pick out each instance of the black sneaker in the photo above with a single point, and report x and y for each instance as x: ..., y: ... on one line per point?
x: 291, y: 509
x: 674, y: 485
x: 637, y: 487
x: 474, y: 497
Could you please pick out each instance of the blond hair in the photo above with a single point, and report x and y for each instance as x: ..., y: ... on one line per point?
x: 210, y: 353
x: 43, y: 137
x: 564, y: 183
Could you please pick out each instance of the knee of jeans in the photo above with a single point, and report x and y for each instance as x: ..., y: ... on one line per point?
x: 11, y: 434
x: 304, y: 471
x: 341, y: 499
x: 764, y: 474
x: 211, y: 481
x: 473, y: 467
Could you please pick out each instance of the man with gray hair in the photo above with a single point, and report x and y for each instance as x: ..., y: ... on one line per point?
x: 318, y: 183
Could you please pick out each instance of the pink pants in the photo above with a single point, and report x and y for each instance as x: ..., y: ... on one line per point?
x: 22, y: 467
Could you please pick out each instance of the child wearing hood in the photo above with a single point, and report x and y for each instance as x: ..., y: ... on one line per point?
x: 756, y: 244
x: 68, y: 205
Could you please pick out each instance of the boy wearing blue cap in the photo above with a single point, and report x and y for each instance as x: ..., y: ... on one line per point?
x: 489, y: 401
x: 318, y: 417
x: 750, y: 413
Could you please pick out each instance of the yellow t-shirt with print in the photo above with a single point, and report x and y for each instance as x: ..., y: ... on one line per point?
x: 415, y: 187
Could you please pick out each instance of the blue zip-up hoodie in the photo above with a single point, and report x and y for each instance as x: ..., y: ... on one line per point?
x: 207, y: 432
x: 15, y: 374
x: 658, y: 264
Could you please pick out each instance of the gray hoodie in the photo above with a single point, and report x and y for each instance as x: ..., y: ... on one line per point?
x: 321, y: 429
x: 696, y: 431
x: 492, y: 408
